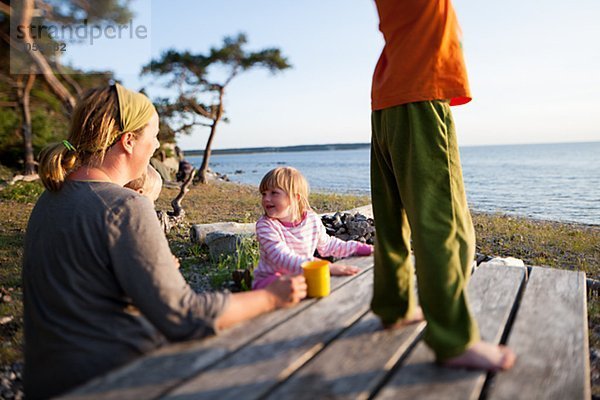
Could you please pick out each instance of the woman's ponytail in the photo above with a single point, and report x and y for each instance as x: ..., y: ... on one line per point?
x: 56, y: 161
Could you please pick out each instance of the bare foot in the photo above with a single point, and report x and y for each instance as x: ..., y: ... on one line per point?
x: 416, y: 317
x: 484, y: 356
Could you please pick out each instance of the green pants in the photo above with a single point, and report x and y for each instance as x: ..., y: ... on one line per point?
x: 417, y: 192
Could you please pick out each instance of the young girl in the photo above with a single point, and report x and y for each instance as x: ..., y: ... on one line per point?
x: 149, y: 184
x: 290, y: 231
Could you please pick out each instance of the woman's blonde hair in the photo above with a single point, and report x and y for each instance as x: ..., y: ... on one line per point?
x: 95, y: 127
x: 293, y: 183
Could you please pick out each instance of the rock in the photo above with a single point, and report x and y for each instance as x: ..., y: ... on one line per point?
x: 360, y: 227
x: 198, y: 232
x: 221, y: 238
x: 11, y: 384
x: 351, y: 225
x: 222, y: 177
x: 24, y: 178
x: 344, y: 236
x: 503, y: 262
x: 222, y: 242
x: 479, y: 258
x: 337, y: 222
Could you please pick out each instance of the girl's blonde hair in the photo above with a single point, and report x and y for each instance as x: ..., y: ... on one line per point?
x: 293, y: 183
x: 147, y: 182
x: 94, y: 129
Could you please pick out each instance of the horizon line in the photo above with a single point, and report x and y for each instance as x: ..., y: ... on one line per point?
x: 307, y: 147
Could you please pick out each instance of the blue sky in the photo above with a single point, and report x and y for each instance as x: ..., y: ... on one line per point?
x: 534, y: 69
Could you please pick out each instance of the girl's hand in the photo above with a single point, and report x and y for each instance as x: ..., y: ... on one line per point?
x: 177, y: 262
x: 343, y: 270
x: 364, y: 250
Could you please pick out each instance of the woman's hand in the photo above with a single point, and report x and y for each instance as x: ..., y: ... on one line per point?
x: 284, y: 292
x: 343, y: 270
x: 287, y: 290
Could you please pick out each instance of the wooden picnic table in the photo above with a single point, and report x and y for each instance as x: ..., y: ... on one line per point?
x: 334, y: 348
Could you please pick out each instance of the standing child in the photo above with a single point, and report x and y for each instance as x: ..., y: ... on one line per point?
x: 290, y: 231
x: 417, y: 185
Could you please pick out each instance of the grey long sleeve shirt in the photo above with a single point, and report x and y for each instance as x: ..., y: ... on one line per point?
x: 100, y: 287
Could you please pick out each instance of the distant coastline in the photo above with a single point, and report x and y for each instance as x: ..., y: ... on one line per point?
x: 354, y: 146
x: 284, y: 149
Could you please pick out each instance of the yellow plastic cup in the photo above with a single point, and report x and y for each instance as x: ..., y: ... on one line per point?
x: 317, y: 278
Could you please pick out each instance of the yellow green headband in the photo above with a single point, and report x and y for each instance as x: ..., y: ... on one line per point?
x: 135, y: 109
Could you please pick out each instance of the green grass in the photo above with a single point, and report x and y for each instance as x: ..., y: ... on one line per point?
x: 22, y: 192
x: 245, y: 259
x: 567, y: 246
x: 12, y: 234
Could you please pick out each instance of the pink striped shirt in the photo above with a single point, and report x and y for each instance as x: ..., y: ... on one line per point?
x: 283, y: 247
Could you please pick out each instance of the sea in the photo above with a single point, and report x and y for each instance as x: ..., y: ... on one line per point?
x: 557, y: 182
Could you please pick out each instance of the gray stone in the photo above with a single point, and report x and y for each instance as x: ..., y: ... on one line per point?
x: 503, y: 262
x: 222, y: 242
x: 198, y: 232
x: 359, y: 227
x: 356, y: 224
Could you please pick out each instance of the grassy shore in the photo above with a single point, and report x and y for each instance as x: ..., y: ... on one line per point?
x: 552, y: 244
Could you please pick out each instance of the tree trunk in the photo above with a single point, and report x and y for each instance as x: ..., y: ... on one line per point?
x: 40, y: 61
x: 213, y: 130
x: 204, y: 167
x: 23, y: 99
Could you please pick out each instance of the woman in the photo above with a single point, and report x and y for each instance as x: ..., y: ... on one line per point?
x: 100, y: 284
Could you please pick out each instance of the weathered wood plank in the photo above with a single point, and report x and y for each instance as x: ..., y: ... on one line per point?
x: 156, y: 373
x: 492, y: 293
x: 353, y: 365
x: 550, y: 337
x: 255, y: 370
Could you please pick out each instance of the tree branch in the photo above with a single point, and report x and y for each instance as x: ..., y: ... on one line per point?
x: 185, y: 127
x: 197, y: 108
x: 176, y: 203
x: 234, y: 72
x: 67, y: 77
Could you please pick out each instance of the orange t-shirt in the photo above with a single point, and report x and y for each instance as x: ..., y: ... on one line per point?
x: 422, y: 58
